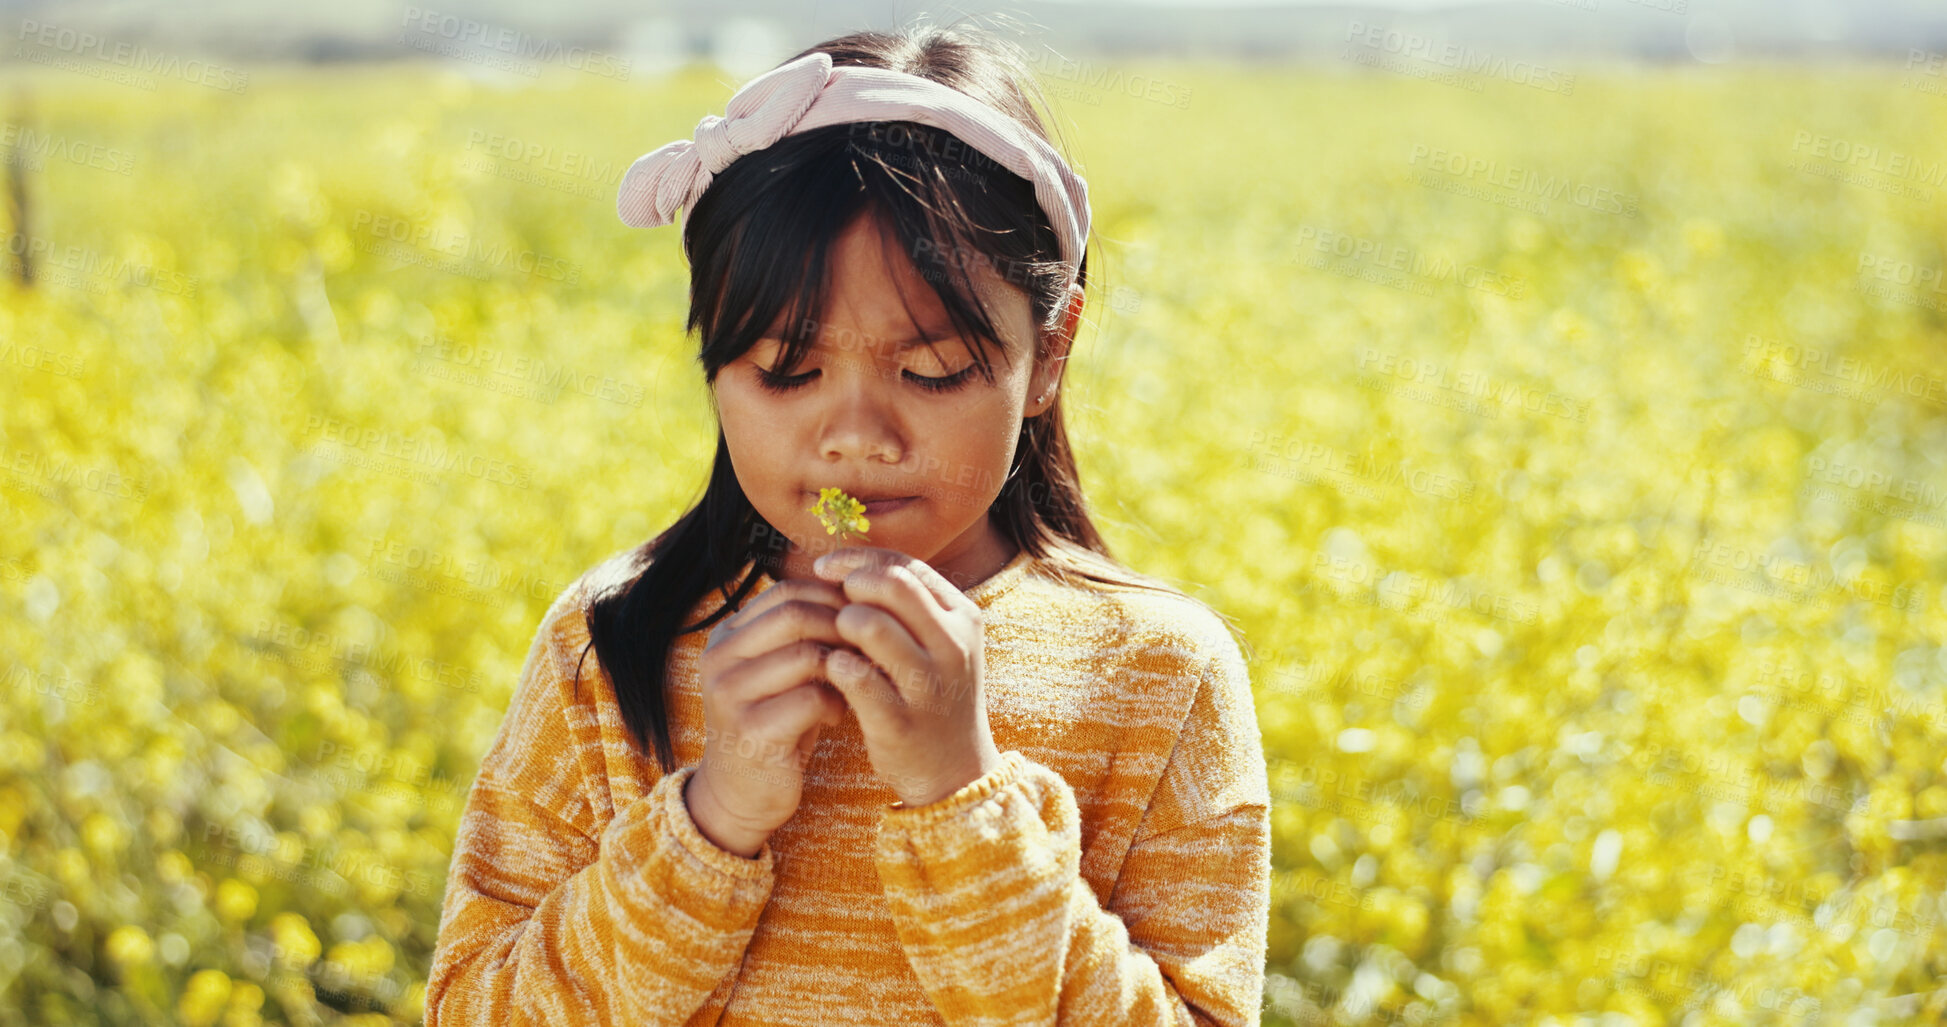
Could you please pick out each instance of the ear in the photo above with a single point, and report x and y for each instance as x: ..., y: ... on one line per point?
x: 1046, y: 379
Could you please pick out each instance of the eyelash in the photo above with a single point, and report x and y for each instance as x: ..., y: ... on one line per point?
x: 775, y: 382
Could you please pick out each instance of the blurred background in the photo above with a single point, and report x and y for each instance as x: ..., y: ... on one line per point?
x: 1569, y: 377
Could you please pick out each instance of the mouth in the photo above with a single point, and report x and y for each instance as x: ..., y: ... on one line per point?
x: 881, y: 505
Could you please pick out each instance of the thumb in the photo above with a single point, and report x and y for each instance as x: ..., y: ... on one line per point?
x: 865, y: 689
x: 833, y: 716
x: 835, y: 704
x: 808, y: 742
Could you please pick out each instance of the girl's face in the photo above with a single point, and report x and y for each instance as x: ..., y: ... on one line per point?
x: 882, y: 419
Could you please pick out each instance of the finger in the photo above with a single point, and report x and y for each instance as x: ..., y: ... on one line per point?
x: 882, y: 640
x: 790, y: 590
x: 784, y: 623
x: 899, y: 592
x: 871, y: 696
x: 752, y: 681
x: 791, y: 713
x: 835, y: 566
x: 944, y: 592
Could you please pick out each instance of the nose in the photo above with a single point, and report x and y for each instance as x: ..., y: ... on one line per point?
x: 860, y: 421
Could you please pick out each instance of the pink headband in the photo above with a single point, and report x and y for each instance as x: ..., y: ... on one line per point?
x: 810, y: 93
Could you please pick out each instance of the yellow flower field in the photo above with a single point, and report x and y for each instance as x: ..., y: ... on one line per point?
x: 1572, y: 463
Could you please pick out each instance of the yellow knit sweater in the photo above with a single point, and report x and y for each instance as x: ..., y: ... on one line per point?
x: 1115, y: 869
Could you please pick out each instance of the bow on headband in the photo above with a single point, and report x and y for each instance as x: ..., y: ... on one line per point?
x: 809, y: 93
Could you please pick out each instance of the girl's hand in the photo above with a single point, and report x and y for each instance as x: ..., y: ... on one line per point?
x: 765, y: 698
x: 917, y: 690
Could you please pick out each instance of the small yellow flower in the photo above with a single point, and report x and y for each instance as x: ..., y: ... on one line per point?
x: 842, y: 515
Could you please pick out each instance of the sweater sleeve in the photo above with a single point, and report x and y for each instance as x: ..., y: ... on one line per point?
x: 1000, y: 927
x: 553, y: 916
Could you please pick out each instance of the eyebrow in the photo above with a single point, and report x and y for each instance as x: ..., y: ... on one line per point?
x: 906, y: 343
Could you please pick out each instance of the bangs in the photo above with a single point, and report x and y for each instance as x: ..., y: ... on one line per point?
x: 956, y: 217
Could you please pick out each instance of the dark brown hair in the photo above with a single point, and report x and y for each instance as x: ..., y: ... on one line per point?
x: 938, y: 196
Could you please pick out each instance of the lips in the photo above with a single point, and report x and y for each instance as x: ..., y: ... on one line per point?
x: 866, y: 497
x: 876, y: 503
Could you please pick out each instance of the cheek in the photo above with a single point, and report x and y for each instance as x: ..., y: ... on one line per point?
x: 750, y: 432
x: 749, y: 417
x: 969, y: 461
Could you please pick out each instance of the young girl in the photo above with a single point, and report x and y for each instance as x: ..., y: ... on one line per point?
x: 969, y: 771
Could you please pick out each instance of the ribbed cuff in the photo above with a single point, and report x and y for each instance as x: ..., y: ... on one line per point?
x: 680, y: 829
x: 901, y: 816
x: 1017, y: 823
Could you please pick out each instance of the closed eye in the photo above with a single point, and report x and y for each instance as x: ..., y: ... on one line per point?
x: 780, y: 383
